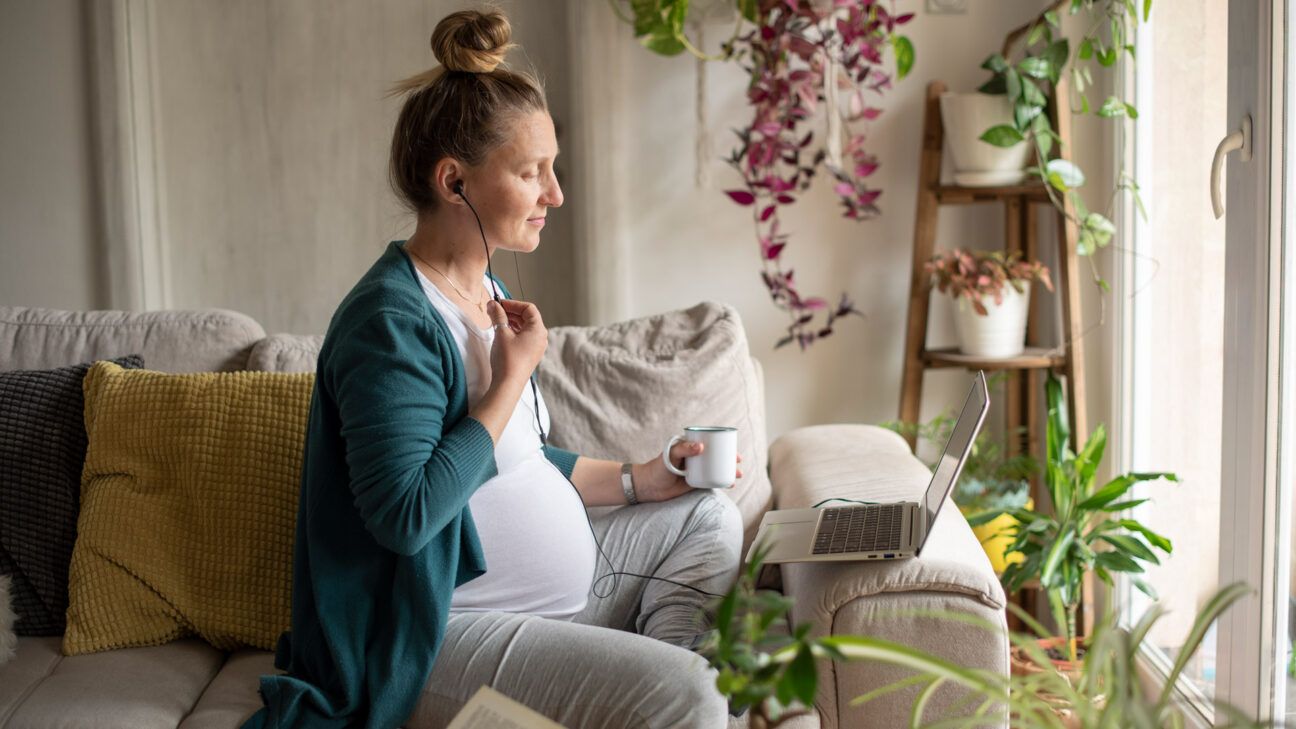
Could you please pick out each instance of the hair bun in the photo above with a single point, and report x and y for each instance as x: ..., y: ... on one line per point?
x: 472, y: 41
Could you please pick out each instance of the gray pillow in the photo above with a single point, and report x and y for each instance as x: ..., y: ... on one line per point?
x: 619, y: 391
x: 42, y: 452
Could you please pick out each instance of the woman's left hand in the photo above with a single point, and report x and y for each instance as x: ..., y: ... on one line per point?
x: 652, y: 482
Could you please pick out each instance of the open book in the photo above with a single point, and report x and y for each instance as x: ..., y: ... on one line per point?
x: 490, y: 709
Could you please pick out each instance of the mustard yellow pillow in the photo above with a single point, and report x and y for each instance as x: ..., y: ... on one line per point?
x: 188, y: 507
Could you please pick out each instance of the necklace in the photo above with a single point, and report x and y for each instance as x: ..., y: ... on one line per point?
x: 479, y: 304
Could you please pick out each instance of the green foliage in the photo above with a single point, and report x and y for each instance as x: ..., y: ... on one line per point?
x: 1107, y: 692
x: 1047, y: 57
x: 1085, y: 531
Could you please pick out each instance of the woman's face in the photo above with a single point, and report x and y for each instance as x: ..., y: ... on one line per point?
x: 515, y: 186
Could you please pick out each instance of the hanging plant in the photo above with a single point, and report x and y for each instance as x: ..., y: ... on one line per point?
x: 799, y: 55
x: 1109, y: 33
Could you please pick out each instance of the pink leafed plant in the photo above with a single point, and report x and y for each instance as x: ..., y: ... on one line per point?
x: 794, y: 45
x: 974, y: 275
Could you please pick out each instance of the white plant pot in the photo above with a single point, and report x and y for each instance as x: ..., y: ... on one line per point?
x: 1002, y: 333
x: 976, y: 163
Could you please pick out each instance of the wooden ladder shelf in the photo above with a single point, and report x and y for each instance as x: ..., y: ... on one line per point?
x: 1021, y: 393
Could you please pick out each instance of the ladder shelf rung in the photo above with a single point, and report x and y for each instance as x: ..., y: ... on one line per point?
x: 959, y: 195
x: 1033, y: 358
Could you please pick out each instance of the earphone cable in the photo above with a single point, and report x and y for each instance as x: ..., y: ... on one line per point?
x: 544, y: 440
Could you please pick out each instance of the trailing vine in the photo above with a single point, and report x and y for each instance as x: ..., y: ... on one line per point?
x: 790, y: 49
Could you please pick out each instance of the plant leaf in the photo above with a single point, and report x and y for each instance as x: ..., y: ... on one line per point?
x: 904, y: 53
x: 1036, y: 67
x: 1112, y: 107
x: 1003, y: 135
x: 1064, y: 175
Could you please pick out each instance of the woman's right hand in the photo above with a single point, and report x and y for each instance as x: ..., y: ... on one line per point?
x: 520, y: 345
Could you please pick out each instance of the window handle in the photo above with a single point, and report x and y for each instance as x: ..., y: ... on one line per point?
x: 1237, y: 141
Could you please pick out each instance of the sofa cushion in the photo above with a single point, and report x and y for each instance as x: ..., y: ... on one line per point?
x: 189, y: 500
x: 286, y: 353
x: 42, y: 449
x: 212, y: 340
x: 232, y: 695
x: 133, y: 688
x: 619, y: 391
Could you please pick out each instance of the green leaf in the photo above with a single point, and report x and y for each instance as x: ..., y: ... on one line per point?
x: 1031, y: 93
x: 1109, y: 493
x: 1091, y: 455
x: 995, y: 63
x: 1156, y: 540
x: 995, y: 86
x: 1132, y: 547
x: 1118, y: 562
x: 1014, y: 84
x: 1086, y: 50
x: 1003, y: 135
x: 904, y: 53
x: 1107, y: 57
x: 1124, y: 505
x: 750, y: 9
x: 1036, y: 67
x: 1144, y: 587
x: 1043, y: 135
x: 1057, y: 54
x: 1064, y: 175
x: 1147, y: 9
x: 1054, y: 558
x: 1112, y: 107
x: 663, y: 43
x: 1051, y: 18
x: 1084, y: 104
x: 1036, y: 33
x: 1024, y: 113
x: 802, y: 676
x: 1130, y: 111
x: 1100, y: 227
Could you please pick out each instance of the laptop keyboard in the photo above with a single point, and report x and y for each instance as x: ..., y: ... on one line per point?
x: 871, y: 528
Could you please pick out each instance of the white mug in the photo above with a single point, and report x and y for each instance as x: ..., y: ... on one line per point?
x: 717, y: 466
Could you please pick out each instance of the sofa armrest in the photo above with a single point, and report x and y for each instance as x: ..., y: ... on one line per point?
x: 892, y: 600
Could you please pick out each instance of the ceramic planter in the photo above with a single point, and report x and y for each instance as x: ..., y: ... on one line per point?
x: 1002, y: 332
x: 976, y: 163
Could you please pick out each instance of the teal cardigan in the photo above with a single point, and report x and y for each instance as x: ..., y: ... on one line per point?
x: 384, y: 533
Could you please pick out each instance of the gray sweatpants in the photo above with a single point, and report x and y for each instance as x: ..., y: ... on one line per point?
x: 619, y: 663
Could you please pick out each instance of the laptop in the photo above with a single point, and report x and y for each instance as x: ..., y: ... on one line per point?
x: 857, y: 532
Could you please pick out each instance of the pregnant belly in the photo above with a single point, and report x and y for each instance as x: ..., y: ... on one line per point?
x: 537, y: 542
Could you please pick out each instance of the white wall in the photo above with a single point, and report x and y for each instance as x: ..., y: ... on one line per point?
x: 274, y: 137
x: 49, y: 253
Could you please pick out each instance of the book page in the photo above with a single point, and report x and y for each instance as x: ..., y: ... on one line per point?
x: 490, y: 709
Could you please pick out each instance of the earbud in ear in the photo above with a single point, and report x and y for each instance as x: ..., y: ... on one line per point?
x: 458, y: 187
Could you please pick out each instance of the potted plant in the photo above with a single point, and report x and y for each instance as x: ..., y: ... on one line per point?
x: 991, y: 480
x: 992, y: 289
x: 1105, y: 693
x: 978, y: 163
x: 775, y: 675
x: 1024, y: 85
x: 1084, y: 532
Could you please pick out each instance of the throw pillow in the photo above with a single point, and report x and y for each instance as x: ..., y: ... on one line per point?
x: 8, y: 640
x: 619, y: 391
x: 42, y: 449
x: 189, y: 501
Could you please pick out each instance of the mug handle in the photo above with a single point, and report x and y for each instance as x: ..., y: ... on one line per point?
x: 666, y: 455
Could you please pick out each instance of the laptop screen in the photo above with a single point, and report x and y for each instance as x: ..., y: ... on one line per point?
x: 956, y: 450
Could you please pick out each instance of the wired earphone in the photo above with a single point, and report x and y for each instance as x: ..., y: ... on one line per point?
x: 458, y: 189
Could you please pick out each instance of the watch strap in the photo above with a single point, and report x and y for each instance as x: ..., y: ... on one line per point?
x: 627, y: 484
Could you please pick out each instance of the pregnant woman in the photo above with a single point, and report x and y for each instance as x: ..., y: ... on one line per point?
x: 441, y: 544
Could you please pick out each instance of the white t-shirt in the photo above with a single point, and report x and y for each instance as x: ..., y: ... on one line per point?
x: 530, y: 520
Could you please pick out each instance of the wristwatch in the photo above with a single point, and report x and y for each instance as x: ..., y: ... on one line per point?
x: 627, y: 484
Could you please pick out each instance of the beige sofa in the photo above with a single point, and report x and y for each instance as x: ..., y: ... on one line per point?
x: 192, y: 685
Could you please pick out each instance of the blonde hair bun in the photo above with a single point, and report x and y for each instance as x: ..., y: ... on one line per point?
x: 472, y: 41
